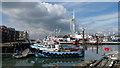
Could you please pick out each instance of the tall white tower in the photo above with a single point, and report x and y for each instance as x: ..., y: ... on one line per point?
x: 73, y: 24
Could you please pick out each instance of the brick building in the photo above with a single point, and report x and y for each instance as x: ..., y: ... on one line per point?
x: 12, y: 35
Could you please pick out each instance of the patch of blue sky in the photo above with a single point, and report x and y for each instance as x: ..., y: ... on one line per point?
x: 112, y: 24
x: 4, y: 19
x: 95, y: 10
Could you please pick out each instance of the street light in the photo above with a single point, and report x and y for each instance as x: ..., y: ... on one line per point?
x: 84, y: 47
x: 83, y: 29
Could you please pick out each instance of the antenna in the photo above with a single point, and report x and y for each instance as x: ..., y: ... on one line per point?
x: 73, y: 14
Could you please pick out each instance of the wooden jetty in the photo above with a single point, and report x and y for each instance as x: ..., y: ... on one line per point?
x: 103, y: 62
x: 21, y: 55
x: 116, y: 64
x: 97, y: 63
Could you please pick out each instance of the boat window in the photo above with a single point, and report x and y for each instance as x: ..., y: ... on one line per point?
x: 53, y: 46
x: 40, y: 51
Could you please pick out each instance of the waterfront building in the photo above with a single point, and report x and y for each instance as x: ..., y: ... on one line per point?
x: 12, y: 35
x: 23, y: 36
x: 3, y: 33
x: 8, y: 34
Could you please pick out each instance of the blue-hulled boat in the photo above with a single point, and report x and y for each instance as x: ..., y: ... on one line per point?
x: 56, y: 50
x: 52, y: 54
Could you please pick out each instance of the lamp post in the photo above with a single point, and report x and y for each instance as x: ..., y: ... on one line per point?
x: 83, y: 32
x: 96, y: 35
x: 83, y: 42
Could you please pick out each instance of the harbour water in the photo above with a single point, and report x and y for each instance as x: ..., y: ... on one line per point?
x: 92, y: 52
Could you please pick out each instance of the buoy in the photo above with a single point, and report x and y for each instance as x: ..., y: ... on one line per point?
x: 106, y: 48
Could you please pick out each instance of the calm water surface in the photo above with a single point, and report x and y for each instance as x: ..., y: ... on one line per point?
x: 92, y: 53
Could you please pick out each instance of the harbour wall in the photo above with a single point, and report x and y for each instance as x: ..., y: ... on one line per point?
x: 102, y: 43
x: 12, y: 47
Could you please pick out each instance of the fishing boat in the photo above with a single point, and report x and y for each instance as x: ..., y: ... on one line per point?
x: 53, y: 49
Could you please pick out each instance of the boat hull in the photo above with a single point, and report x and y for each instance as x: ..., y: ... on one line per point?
x: 51, y: 54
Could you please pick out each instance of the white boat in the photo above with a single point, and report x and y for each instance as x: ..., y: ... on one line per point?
x: 21, y: 55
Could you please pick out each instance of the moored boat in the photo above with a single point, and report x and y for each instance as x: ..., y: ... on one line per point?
x: 21, y: 55
x: 52, y: 49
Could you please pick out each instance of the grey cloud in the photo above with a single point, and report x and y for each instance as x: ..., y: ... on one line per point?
x: 36, y: 17
x: 13, y: 5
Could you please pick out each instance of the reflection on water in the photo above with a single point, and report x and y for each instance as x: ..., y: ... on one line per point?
x: 32, y: 61
x: 90, y: 54
x: 58, y: 61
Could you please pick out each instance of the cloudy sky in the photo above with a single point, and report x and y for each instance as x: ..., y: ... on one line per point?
x: 42, y: 18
